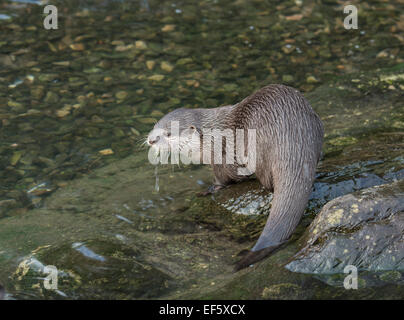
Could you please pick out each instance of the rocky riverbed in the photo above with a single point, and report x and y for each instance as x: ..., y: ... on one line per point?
x: 77, y: 191
x: 111, y: 238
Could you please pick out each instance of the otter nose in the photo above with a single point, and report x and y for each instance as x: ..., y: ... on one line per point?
x: 153, y: 140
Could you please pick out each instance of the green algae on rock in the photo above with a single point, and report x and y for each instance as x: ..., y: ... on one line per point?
x: 363, y: 229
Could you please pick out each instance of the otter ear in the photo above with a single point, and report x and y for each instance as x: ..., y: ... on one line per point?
x: 194, y: 129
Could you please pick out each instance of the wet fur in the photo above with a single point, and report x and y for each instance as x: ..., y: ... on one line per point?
x: 289, y: 137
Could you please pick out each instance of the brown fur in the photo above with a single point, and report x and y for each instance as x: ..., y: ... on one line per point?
x: 289, y: 137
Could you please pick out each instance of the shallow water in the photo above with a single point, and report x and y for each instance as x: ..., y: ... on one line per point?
x: 82, y: 97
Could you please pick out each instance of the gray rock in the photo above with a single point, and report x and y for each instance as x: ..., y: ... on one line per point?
x: 364, y: 229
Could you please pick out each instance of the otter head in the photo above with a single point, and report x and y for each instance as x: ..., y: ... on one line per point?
x: 176, y: 130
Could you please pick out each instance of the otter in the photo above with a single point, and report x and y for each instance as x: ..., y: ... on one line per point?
x: 289, y: 137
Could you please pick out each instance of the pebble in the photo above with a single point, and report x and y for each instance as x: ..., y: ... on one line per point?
x: 288, y: 48
x: 311, y: 79
x: 168, y: 28
x: 61, y: 113
x: 61, y: 63
x: 295, y: 17
x: 287, y: 78
x: 157, y: 113
x: 77, y: 46
x: 140, y: 45
x: 150, y: 64
x: 147, y: 120
x: 166, y: 66
x: 15, y: 157
x: 382, y: 54
x: 121, y: 95
x: 156, y: 77
x: 123, y: 47
x: 183, y: 61
x: 134, y: 131
x: 192, y: 83
x: 14, y: 104
x: 106, y: 152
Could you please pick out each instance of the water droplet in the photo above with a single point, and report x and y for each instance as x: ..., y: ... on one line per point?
x: 156, y: 186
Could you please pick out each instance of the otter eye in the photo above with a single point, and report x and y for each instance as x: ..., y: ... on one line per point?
x: 192, y: 128
x: 168, y: 134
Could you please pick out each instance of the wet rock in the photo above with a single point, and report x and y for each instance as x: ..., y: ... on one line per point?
x: 168, y: 28
x: 121, y: 48
x: 51, y: 97
x: 311, y: 79
x: 109, y: 270
x: 45, y: 161
x: 16, y: 106
x: 382, y: 54
x: 343, y: 141
x: 77, y: 46
x: 166, y: 66
x: 250, y: 202
x: 37, y: 92
x: 134, y: 131
x: 364, y: 229
x: 15, y: 157
x: 287, y: 78
x: 150, y: 64
x: 118, y: 132
x: 97, y: 119
x: 64, y: 111
x: 121, y: 95
x: 106, y: 152
x: 62, y: 63
x: 147, y: 120
x: 391, y: 276
x: 192, y: 83
x: 157, y: 113
x: 184, y: 61
x: 45, y: 77
x: 295, y: 17
x: 230, y: 87
x: 6, y: 61
x: 288, y: 48
x: 156, y: 77
x: 39, y: 190
x: 140, y: 45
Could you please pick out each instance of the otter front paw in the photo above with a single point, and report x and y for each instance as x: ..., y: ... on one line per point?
x: 212, y: 189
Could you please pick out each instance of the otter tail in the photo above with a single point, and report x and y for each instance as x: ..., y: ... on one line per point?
x: 287, y: 209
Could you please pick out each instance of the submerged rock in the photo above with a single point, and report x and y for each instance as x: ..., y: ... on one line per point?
x: 90, y: 266
x: 364, y: 229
